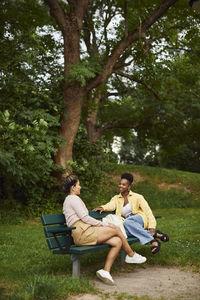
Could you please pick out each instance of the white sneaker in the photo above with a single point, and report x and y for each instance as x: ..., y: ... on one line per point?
x: 135, y: 259
x: 105, y: 276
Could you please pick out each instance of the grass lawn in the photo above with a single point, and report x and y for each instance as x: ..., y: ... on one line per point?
x: 28, y: 270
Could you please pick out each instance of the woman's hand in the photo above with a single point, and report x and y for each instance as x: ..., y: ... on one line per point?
x: 100, y: 209
x: 152, y: 231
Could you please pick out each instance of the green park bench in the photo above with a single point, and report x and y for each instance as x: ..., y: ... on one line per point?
x: 60, y: 241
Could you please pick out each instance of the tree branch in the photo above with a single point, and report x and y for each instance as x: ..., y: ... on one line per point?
x: 194, y: 93
x: 125, y: 18
x: 127, y: 41
x: 155, y: 38
x: 133, y: 78
x: 58, y: 14
x: 117, y: 125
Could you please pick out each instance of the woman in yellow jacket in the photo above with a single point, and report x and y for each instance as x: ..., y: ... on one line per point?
x: 139, y: 219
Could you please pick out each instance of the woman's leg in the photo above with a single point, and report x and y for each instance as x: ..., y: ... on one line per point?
x: 116, y: 244
x: 115, y: 238
x: 134, y: 226
x: 106, y: 233
x: 104, y: 274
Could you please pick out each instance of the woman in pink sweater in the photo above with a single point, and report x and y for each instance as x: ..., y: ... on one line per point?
x: 90, y: 231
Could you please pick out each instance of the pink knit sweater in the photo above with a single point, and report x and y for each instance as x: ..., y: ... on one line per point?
x: 74, y: 209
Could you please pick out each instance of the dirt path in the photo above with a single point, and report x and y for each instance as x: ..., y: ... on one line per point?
x: 156, y: 282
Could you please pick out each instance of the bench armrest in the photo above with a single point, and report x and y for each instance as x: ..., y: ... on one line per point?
x: 66, y: 249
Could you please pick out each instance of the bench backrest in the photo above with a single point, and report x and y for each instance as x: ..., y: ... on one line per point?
x: 57, y: 222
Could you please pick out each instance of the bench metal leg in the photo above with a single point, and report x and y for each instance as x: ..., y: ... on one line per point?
x: 123, y: 255
x: 75, y: 265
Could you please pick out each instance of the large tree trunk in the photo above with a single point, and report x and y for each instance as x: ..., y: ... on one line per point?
x: 70, y: 23
x: 94, y: 133
x: 70, y: 123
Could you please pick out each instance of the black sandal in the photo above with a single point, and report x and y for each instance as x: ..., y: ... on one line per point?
x: 157, y: 248
x: 163, y: 238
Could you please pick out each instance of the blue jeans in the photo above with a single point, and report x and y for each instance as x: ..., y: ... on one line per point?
x: 134, y: 226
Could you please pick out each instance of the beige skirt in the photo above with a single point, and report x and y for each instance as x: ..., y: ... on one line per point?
x: 84, y: 234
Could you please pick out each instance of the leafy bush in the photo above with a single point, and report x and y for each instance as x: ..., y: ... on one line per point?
x: 26, y: 152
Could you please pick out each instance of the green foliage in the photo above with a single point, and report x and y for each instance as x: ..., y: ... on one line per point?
x: 30, y: 102
x: 26, y: 157
x: 29, y: 142
x: 166, y: 125
x: 135, y: 151
x: 84, y: 70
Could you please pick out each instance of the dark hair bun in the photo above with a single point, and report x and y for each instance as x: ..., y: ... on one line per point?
x: 68, y: 182
x: 128, y: 177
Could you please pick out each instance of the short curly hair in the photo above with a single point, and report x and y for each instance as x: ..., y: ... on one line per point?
x: 68, y: 182
x: 128, y: 177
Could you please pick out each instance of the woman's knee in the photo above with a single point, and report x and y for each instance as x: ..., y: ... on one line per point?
x: 115, y: 231
x: 116, y: 242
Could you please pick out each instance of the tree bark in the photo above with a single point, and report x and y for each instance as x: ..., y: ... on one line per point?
x: 94, y: 134
x: 70, y: 24
x: 70, y: 123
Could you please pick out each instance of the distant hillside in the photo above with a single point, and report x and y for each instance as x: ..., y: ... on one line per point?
x: 162, y: 188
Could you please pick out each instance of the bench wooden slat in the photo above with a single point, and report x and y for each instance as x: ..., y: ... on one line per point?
x: 61, y: 229
x: 98, y: 216
x: 53, y: 219
x: 59, y: 218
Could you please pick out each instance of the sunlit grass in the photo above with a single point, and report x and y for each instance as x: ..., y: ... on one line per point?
x: 27, y: 266
x: 28, y: 269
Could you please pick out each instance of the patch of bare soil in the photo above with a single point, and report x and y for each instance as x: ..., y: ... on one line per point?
x: 177, y: 186
x: 156, y: 282
x: 137, y: 177
x: 89, y: 297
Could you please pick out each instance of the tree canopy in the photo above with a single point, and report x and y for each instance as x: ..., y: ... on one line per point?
x: 74, y: 74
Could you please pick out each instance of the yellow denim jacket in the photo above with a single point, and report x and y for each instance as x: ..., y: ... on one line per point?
x: 138, y: 204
